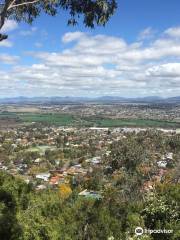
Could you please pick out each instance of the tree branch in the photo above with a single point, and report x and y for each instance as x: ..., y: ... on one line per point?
x: 3, y: 15
x: 12, y: 3
x: 9, y: 4
x: 4, y: 12
x: 21, y: 4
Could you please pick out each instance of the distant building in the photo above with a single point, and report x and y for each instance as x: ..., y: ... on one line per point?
x: 41, y: 187
x: 162, y: 164
x: 43, y: 176
x: 90, y: 194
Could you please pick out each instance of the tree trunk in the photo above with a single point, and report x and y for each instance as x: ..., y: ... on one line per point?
x: 3, y: 15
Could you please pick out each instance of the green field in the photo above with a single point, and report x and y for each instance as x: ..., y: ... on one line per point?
x: 69, y: 120
x: 53, y: 119
x: 65, y: 120
x: 8, y: 115
x: 135, y: 123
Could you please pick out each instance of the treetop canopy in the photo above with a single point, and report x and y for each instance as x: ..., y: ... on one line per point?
x: 94, y: 12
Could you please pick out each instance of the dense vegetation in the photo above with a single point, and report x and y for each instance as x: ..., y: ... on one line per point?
x: 61, y: 214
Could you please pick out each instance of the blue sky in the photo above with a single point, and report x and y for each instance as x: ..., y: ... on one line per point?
x: 136, y: 54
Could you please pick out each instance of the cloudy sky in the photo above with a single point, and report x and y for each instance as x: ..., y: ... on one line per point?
x: 136, y: 54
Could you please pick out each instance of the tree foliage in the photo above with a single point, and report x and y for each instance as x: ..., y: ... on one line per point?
x: 93, y: 11
x: 64, y: 190
x: 61, y: 214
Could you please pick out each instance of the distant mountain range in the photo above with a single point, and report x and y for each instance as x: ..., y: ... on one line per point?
x: 103, y: 99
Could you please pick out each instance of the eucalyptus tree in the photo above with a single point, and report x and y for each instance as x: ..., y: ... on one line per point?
x: 94, y: 12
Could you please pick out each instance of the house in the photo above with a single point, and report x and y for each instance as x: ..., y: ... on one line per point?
x: 57, y: 162
x: 76, y: 170
x: 94, y: 160
x: 169, y: 155
x: 43, y: 176
x: 162, y: 164
x: 108, y: 153
x: 54, y: 180
x: 90, y: 194
x: 41, y: 187
x: 99, y: 128
x: 37, y: 160
x: 3, y: 168
x: 77, y: 166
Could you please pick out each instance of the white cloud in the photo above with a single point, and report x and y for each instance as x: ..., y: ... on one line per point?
x: 173, y: 32
x: 29, y: 32
x: 147, y: 33
x: 6, y: 43
x: 72, y: 36
x: 7, y: 59
x: 101, y: 65
x: 169, y: 70
x: 9, y: 26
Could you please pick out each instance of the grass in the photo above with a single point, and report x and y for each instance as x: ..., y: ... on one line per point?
x: 135, y: 123
x: 69, y: 120
x: 8, y: 115
x: 53, y: 119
